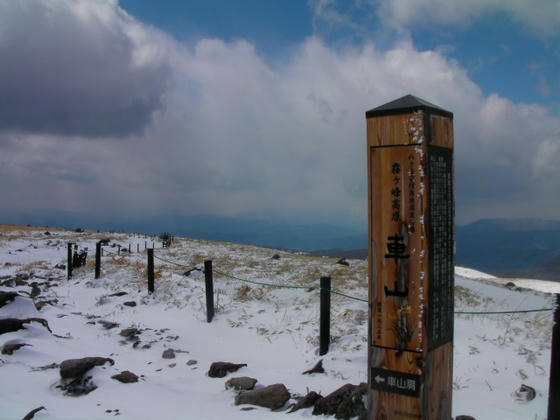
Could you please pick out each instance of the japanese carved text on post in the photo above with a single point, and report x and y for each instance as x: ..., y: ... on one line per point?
x: 400, y: 247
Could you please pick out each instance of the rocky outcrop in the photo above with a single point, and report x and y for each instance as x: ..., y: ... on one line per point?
x: 6, y: 297
x: 76, y: 368
x: 305, y: 402
x: 221, y: 369
x: 9, y: 348
x: 13, y: 324
x: 272, y: 396
x: 344, y: 403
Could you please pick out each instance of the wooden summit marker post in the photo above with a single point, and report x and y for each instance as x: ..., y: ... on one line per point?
x: 411, y: 260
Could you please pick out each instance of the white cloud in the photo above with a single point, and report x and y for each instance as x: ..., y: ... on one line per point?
x: 539, y: 16
x: 241, y: 135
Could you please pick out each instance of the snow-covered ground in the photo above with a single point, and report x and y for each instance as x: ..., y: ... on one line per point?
x: 274, y: 330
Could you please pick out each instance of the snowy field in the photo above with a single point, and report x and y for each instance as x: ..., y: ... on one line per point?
x: 275, y: 331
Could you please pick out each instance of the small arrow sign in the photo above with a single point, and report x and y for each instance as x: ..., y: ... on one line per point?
x: 395, y: 382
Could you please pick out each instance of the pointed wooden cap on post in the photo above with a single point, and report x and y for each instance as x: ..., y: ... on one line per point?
x: 405, y: 105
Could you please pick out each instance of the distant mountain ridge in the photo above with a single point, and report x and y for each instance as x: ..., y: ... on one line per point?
x: 523, y: 247
x: 500, y: 246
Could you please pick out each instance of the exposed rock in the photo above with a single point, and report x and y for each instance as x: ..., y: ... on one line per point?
x: 76, y: 368
x: 42, y: 303
x: 130, y: 303
x: 126, y: 377
x: 242, y: 383
x: 12, y: 324
x: 108, y: 324
x: 221, y: 369
x: 343, y: 261
x: 525, y: 393
x: 168, y: 354
x: 117, y: 294
x: 30, y: 415
x: 47, y: 233
x: 344, y: 403
x: 272, y: 396
x: 46, y: 367
x: 60, y: 266
x: 9, y: 348
x: 35, y: 290
x: 78, y: 386
x: 318, y: 368
x: 6, y: 297
x: 191, y: 362
x: 276, y: 257
x: 305, y: 402
x: 464, y: 418
x: 130, y: 333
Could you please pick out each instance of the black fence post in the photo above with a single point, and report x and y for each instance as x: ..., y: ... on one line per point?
x: 150, y: 270
x: 129, y: 248
x: 137, y: 248
x: 69, y: 265
x: 97, y: 260
x: 145, y: 244
x: 554, y: 384
x: 118, y: 250
x: 209, y: 290
x: 325, y: 327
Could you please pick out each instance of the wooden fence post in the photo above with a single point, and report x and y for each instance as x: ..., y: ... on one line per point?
x: 411, y: 260
x: 97, y: 260
x: 554, y: 384
x: 150, y: 270
x: 325, y: 316
x: 69, y: 265
x: 209, y: 280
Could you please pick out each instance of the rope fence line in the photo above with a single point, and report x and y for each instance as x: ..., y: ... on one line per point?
x: 285, y: 286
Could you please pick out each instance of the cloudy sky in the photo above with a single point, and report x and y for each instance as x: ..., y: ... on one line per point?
x: 256, y: 108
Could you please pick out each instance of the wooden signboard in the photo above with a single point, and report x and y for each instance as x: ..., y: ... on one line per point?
x: 411, y: 260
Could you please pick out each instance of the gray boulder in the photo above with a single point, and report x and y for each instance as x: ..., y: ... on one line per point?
x: 221, y: 369
x: 9, y: 348
x: 168, y: 354
x: 272, y: 396
x: 76, y: 368
x: 12, y: 324
x: 126, y: 377
x: 242, y: 383
x: 6, y: 297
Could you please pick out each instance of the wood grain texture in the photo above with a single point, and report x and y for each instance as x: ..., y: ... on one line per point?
x: 386, y: 351
x: 393, y: 274
x: 442, y: 131
x: 393, y: 130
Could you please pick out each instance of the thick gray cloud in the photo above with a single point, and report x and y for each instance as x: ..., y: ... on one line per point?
x: 239, y: 135
x: 77, y: 68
